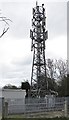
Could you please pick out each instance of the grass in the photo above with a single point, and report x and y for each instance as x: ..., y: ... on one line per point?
x: 37, y: 118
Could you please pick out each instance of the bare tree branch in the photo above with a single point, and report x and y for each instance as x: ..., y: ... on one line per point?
x: 4, y: 31
x: 6, y: 22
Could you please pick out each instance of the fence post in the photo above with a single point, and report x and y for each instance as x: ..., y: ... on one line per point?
x: 6, y: 109
x: 65, y: 108
x: 3, y: 110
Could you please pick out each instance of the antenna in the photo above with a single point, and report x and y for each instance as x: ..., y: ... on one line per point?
x: 36, y: 3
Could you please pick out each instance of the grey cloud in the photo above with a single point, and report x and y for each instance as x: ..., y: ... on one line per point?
x: 21, y: 70
x: 15, y: 75
x: 57, y: 19
x: 23, y: 61
x: 68, y: 34
x: 21, y: 15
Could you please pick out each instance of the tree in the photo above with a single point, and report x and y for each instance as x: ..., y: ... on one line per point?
x: 9, y: 86
x: 56, y: 69
x: 63, y: 87
x: 6, y: 24
x: 26, y: 86
x: 57, y: 76
x: 50, y: 68
x: 61, y: 68
x: 51, y: 72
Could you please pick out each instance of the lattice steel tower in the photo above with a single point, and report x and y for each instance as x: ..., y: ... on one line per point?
x: 38, y: 35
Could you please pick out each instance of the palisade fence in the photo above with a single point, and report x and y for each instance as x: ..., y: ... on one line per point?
x: 35, y: 105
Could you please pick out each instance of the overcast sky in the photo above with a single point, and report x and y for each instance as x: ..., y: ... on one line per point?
x: 15, y: 45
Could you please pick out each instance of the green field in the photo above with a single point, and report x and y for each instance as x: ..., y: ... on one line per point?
x: 37, y: 118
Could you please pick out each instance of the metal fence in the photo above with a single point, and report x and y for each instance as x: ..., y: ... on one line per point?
x: 0, y: 108
x: 0, y: 105
x: 35, y: 105
x: 44, y: 104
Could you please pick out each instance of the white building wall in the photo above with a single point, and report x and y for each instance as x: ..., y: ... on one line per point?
x: 13, y: 93
x: 15, y: 99
x: 14, y: 96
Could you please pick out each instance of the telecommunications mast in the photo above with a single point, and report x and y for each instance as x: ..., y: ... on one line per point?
x: 38, y: 35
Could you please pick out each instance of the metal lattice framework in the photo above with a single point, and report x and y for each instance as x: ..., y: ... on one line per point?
x: 38, y: 35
